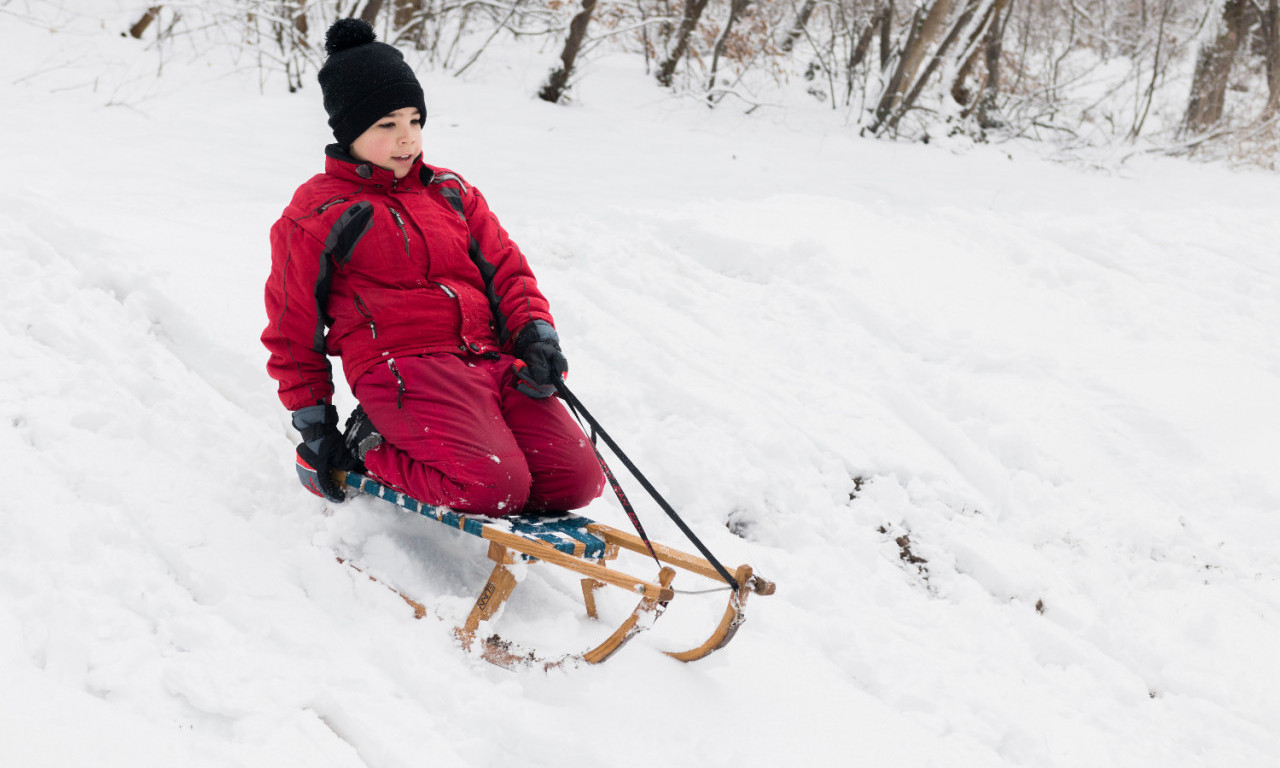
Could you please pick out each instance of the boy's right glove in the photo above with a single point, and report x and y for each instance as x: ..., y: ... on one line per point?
x: 321, y: 451
x: 540, y: 362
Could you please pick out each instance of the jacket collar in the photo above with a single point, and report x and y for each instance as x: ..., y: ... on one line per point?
x: 340, y: 164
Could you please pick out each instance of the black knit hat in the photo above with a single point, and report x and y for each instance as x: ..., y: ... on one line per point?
x: 362, y: 80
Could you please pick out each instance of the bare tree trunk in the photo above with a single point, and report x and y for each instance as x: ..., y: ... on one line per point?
x: 736, y: 9
x: 692, y: 14
x: 140, y: 26
x: 991, y: 31
x: 932, y: 26
x: 880, y: 21
x: 300, y: 23
x: 962, y: 23
x: 558, y: 80
x: 923, y: 32
x: 1213, y: 70
x: 886, y: 30
x: 993, y: 44
x: 860, y: 47
x: 1149, y: 96
x: 788, y: 40
x: 969, y: 57
x: 891, y: 87
x: 370, y: 11
x: 408, y: 20
x: 1271, y: 34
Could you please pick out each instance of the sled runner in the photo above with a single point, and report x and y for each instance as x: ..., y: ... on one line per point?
x: 582, y: 546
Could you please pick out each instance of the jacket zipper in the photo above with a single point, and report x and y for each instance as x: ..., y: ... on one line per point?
x: 367, y: 315
x: 391, y: 363
x: 404, y: 234
x: 328, y: 204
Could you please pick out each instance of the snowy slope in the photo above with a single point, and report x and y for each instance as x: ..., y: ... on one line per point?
x: 1054, y: 387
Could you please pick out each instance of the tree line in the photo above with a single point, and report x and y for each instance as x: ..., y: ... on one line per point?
x: 1191, y: 72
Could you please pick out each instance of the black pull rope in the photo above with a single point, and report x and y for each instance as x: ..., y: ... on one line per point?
x: 622, y: 498
x: 578, y: 409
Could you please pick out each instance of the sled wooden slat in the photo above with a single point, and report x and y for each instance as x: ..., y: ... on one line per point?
x: 496, y: 591
x: 544, y: 551
x: 634, y: 543
x: 589, y: 587
x: 698, y: 565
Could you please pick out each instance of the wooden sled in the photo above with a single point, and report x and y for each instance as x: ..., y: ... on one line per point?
x: 583, y: 546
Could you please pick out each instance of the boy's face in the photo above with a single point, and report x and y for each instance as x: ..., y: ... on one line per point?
x: 392, y: 143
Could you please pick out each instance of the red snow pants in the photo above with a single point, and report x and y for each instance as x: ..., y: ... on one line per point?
x: 457, y: 433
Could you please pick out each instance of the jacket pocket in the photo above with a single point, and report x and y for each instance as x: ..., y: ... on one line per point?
x: 363, y: 309
x: 395, y: 371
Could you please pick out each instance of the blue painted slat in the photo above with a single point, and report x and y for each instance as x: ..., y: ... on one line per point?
x: 563, y: 533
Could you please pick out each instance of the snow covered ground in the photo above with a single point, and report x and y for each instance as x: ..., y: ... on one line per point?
x: 1003, y: 431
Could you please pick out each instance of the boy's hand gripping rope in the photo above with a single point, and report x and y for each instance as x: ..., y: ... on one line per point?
x: 575, y: 405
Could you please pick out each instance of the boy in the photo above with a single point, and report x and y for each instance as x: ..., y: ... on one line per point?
x: 400, y: 269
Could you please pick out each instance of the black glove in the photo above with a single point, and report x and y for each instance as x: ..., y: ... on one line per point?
x: 539, y: 360
x: 321, y: 451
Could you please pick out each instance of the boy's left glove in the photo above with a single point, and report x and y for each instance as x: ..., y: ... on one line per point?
x: 539, y: 360
x: 321, y: 451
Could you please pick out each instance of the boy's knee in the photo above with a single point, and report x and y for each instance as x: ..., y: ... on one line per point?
x: 568, y: 488
x: 586, y: 491
x: 494, y: 492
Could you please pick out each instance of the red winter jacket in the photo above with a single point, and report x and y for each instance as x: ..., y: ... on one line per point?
x: 368, y: 267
